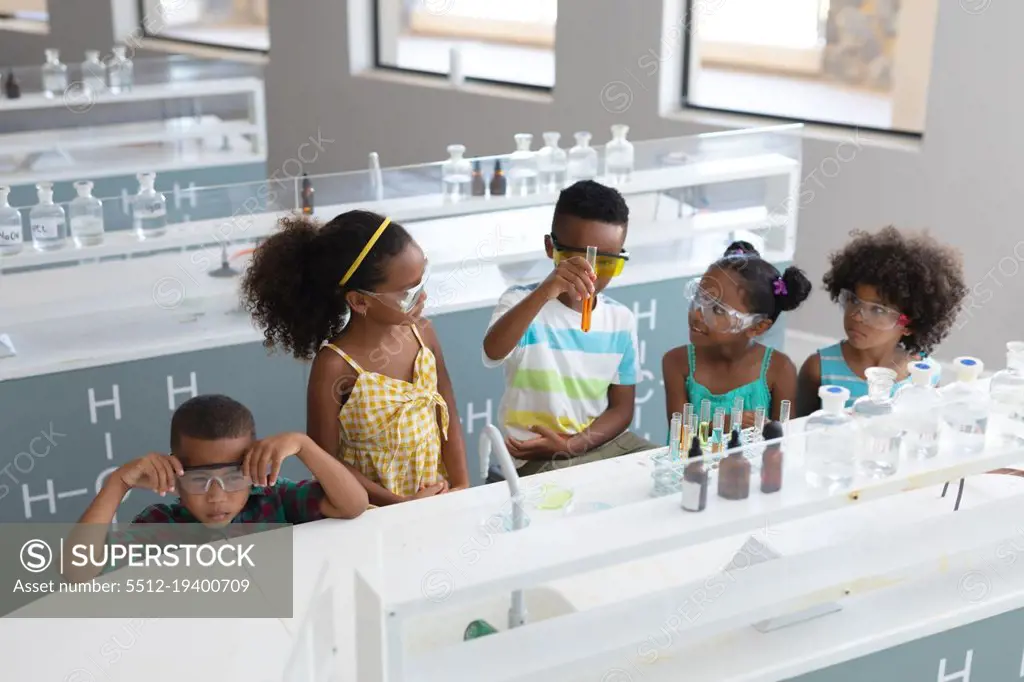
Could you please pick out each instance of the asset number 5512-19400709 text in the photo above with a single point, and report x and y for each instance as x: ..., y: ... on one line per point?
x: 184, y: 585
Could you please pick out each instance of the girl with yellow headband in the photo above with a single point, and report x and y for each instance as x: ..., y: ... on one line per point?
x: 349, y: 295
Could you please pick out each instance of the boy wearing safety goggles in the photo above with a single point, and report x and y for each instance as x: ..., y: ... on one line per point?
x: 900, y: 294
x: 215, y: 463
x: 569, y: 392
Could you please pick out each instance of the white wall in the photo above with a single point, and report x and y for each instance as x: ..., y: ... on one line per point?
x: 962, y: 180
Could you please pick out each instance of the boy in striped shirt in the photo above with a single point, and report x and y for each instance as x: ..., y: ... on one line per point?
x: 568, y: 393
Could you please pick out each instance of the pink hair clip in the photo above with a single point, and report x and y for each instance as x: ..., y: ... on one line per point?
x: 903, y: 321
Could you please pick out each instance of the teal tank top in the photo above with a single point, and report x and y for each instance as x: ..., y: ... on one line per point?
x: 835, y: 372
x: 755, y: 394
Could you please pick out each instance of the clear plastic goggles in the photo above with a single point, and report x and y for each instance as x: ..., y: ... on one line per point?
x: 197, y: 480
x: 403, y: 300
x: 717, y: 316
x: 874, y: 315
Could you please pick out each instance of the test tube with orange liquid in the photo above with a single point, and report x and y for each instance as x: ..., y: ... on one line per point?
x: 588, y: 302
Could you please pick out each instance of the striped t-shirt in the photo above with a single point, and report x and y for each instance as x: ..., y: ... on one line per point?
x: 558, y: 375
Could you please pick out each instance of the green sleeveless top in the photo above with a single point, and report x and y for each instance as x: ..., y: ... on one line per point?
x: 755, y: 394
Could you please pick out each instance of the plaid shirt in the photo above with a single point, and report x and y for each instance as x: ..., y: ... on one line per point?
x: 284, y: 502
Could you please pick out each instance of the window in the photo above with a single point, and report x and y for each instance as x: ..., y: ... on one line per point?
x: 497, y: 40
x: 24, y: 10
x: 837, y: 62
x: 238, y: 24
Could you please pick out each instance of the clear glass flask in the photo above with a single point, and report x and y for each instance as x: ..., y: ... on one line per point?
x: 619, y: 156
x: 46, y: 221
x: 120, y: 71
x: 456, y: 174
x: 55, y: 75
x: 831, y: 456
x: 149, y: 208
x: 522, y: 167
x: 12, y: 237
x: 879, y: 454
x: 965, y: 409
x: 1007, y: 387
x: 917, y: 408
x: 583, y: 160
x: 85, y: 214
x: 94, y: 72
x: 552, y: 163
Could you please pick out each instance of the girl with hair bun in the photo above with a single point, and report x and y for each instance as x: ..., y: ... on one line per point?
x: 349, y: 295
x: 737, y: 300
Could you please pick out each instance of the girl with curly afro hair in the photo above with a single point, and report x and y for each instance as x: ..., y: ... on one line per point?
x: 349, y: 295
x: 900, y: 293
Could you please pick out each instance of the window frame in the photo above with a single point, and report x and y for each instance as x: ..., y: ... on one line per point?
x: 140, y: 6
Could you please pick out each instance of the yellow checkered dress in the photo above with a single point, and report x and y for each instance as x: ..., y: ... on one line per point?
x: 389, y: 429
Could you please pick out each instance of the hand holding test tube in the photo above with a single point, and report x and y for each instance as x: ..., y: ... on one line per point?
x: 588, y: 302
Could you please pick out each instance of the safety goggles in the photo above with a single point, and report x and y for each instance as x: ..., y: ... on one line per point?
x: 403, y: 300
x: 230, y: 477
x: 608, y: 264
x: 874, y: 315
x: 719, y: 317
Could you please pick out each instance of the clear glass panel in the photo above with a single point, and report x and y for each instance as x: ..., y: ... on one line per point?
x: 859, y: 64
x: 238, y: 24
x: 495, y: 40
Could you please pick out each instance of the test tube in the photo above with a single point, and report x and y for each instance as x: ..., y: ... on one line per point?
x: 588, y: 302
x: 687, y: 432
x: 718, y: 434
x: 784, y: 411
x: 704, y: 427
x: 736, y: 418
x: 758, y: 421
x: 674, y: 434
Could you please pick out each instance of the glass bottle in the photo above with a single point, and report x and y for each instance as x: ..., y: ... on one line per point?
x: 149, y: 208
x: 917, y: 407
x: 498, y: 182
x: 308, y: 195
x: 582, y: 160
x: 1007, y: 386
x: 11, y: 235
x: 619, y: 156
x: 734, y: 471
x: 831, y: 448
x: 771, y: 460
x: 880, y: 447
x: 478, y: 186
x: 46, y: 220
x: 55, y: 75
x: 695, y: 480
x: 120, y: 71
x: 94, y: 72
x: 965, y: 406
x: 12, y: 88
x: 456, y: 174
x: 522, y: 166
x: 85, y: 213
x: 552, y: 163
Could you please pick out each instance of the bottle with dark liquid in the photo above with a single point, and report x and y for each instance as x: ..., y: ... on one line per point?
x: 734, y: 471
x: 771, y: 460
x: 478, y: 188
x: 499, y: 184
x: 695, y: 480
x: 307, y: 195
x: 12, y: 89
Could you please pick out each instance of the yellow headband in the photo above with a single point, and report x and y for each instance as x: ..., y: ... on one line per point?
x: 366, y: 249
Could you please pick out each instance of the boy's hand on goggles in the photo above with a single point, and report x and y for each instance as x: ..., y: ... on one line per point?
x: 572, y: 276
x: 266, y: 456
x: 155, y: 471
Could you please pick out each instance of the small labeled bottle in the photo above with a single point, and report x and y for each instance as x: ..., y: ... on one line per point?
x: 12, y: 239
x: 46, y: 221
x: 149, y: 208
x: 308, y: 195
x: 12, y: 88
x: 880, y: 450
x: 917, y: 406
x: 831, y: 458
x: 499, y: 184
x: 120, y: 71
x: 552, y: 163
x: 695, y: 480
x: 55, y: 75
x: 771, y: 460
x: 456, y: 174
x: 583, y: 160
x: 619, y: 156
x: 85, y: 213
x: 478, y: 186
x: 734, y: 471
x: 94, y: 73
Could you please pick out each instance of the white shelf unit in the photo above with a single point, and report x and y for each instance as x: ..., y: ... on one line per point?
x: 397, y: 592
x: 71, y: 153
